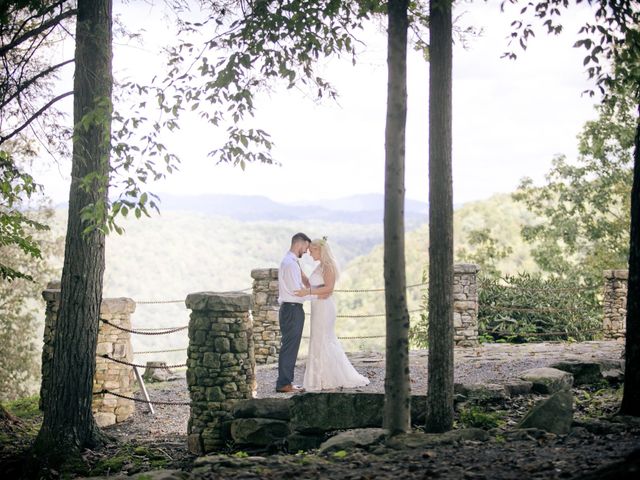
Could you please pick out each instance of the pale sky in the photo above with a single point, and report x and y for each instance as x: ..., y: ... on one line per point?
x: 509, y: 118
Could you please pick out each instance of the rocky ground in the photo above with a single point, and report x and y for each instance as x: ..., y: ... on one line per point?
x: 597, y: 439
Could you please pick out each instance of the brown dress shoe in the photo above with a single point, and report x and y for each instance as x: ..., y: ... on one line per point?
x: 289, y: 389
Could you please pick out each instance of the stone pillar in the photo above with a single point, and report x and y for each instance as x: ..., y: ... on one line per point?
x: 614, y: 323
x: 109, y: 375
x: 266, y: 329
x: 220, y: 365
x: 465, y: 305
x: 51, y: 296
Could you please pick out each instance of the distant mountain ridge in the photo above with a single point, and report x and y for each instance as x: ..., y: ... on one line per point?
x: 361, y: 209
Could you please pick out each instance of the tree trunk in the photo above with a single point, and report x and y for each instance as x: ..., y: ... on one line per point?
x: 68, y: 423
x: 439, y: 416
x: 631, y: 397
x: 397, y: 408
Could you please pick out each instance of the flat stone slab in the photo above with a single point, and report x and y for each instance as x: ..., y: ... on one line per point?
x: 584, y: 373
x: 275, y: 408
x: 547, y: 380
x: 336, y: 411
x: 323, y: 412
x: 425, y: 440
x: 356, y: 438
x: 225, y: 302
x: 481, y: 393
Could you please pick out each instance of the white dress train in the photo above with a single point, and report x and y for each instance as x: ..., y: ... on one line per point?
x: 327, y: 365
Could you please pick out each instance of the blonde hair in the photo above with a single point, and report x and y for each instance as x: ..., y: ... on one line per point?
x: 328, y: 261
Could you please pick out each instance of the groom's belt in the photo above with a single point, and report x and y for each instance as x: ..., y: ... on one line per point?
x: 292, y: 303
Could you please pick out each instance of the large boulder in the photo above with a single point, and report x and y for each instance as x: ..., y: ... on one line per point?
x: 324, y: 412
x: 356, y: 438
x: 547, y: 380
x: 554, y: 414
x: 584, y: 373
x: 258, y: 431
x: 276, y: 408
x: 321, y: 412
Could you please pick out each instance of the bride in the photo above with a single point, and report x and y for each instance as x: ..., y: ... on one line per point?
x: 327, y: 365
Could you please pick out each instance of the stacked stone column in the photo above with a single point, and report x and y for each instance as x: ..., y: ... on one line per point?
x: 220, y: 365
x: 109, y: 375
x: 465, y: 305
x: 266, y: 329
x: 614, y: 323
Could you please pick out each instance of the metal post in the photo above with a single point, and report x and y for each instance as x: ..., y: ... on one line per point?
x: 144, y: 390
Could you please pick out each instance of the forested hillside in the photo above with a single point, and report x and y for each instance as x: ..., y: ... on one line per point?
x: 169, y: 256
x: 500, y: 214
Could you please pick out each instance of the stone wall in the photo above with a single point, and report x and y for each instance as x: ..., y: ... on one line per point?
x: 465, y: 305
x: 615, y: 303
x: 109, y: 375
x: 220, y: 365
x: 266, y: 330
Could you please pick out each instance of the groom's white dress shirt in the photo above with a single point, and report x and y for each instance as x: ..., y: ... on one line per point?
x: 290, y: 280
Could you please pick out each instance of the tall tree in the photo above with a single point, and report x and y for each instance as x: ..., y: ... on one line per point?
x: 397, y: 387
x: 68, y: 423
x: 439, y: 416
x: 631, y: 396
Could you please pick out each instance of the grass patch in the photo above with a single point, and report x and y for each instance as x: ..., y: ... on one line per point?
x: 132, y: 459
x: 475, y: 417
x: 25, y: 408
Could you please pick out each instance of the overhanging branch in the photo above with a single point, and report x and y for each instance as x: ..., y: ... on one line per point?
x: 24, y: 85
x: 52, y: 22
x: 34, y: 116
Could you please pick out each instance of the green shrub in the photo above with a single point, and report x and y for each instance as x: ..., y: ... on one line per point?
x: 528, y: 307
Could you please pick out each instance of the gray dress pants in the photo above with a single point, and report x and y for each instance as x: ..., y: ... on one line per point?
x: 291, y: 318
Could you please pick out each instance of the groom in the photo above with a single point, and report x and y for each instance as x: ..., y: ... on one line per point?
x: 291, y: 317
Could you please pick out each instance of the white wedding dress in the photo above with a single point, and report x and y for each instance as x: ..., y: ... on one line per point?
x: 327, y: 365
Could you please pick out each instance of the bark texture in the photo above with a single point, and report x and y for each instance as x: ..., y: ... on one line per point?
x: 439, y: 416
x: 68, y: 423
x: 397, y: 412
x: 631, y: 397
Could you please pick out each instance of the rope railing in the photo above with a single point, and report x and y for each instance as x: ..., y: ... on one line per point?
x: 366, y: 290
x: 361, y: 337
x: 584, y: 288
x: 140, y: 400
x: 531, y: 309
x: 122, y: 362
x: 161, y: 351
x: 146, y: 331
